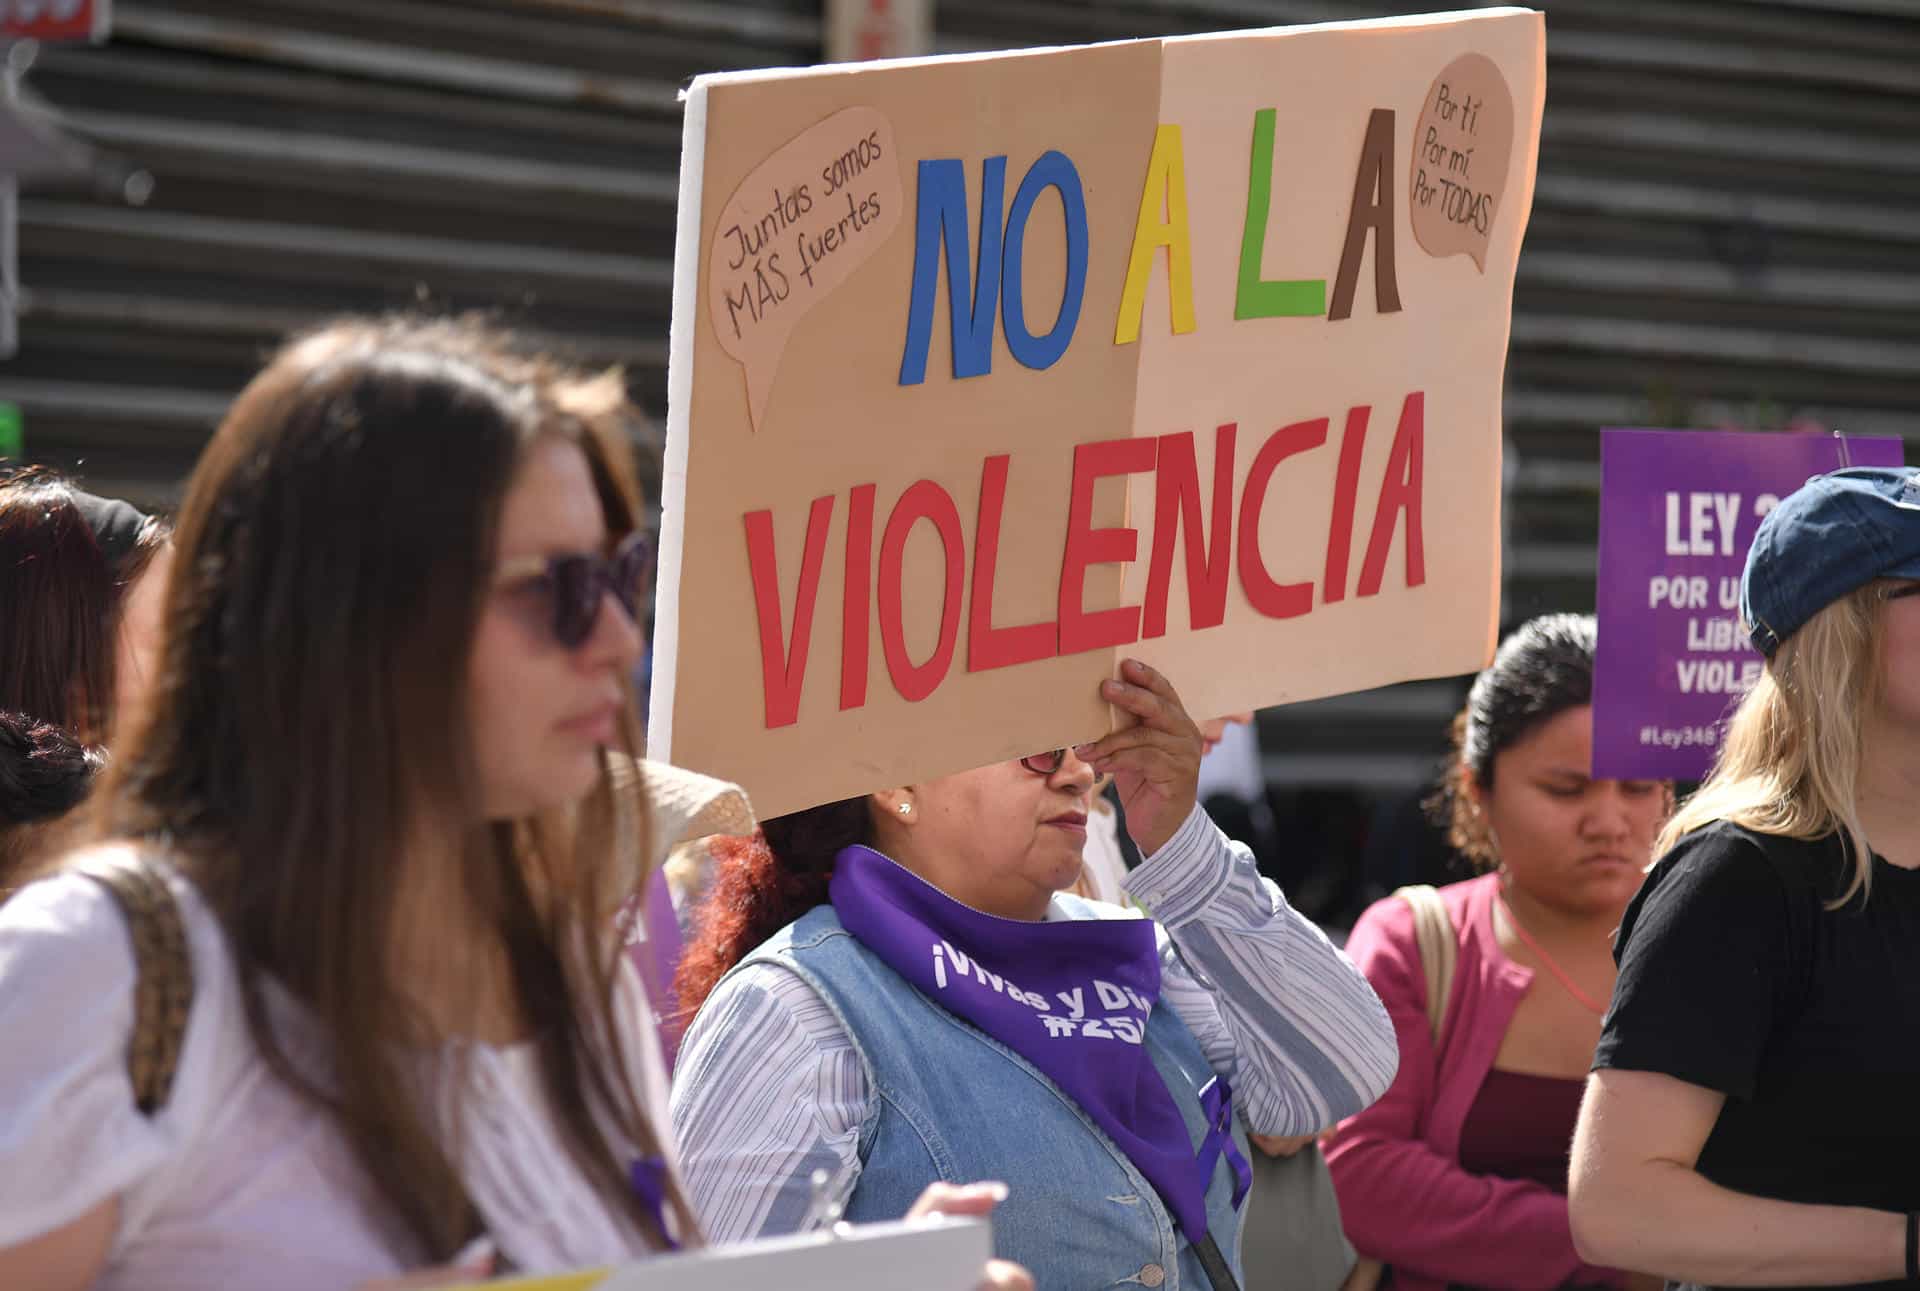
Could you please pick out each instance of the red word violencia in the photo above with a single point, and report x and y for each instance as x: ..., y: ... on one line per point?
x: 1225, y: 546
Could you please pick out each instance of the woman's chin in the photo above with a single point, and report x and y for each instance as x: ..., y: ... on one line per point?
x: 1065, y: 873
x: 559, y: 784
x: 1600, y: 896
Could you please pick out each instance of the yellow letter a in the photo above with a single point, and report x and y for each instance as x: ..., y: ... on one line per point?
x: 1165, y: 189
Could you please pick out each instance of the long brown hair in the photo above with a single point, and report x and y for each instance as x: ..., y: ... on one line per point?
x: 309, y: 729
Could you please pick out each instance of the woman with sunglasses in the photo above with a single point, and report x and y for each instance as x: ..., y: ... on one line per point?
x: 1750, y: 1117
x: 380, y: 791
x: 893, y: 989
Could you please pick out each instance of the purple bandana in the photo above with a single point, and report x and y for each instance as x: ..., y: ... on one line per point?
x: 1071, y: 997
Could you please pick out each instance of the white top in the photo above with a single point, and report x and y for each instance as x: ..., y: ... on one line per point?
x: 1232, y: 767
x: 1106, y: 864
x: 770, y: 1087
x: 237, y: 1182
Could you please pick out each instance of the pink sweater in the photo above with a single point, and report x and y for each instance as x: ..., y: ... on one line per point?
x: 1403, y: 1197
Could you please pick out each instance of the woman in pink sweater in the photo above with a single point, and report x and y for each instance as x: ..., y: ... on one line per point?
x: 1458, y: 1176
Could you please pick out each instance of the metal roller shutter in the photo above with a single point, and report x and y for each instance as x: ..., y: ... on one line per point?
x: 311, y: 157
x: 1726, y: 230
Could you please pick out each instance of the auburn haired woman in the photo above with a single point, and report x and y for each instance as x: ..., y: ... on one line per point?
x: 896, y: 989
x: 79, y: 579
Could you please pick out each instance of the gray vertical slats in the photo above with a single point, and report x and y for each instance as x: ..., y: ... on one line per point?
x: 312, y: 157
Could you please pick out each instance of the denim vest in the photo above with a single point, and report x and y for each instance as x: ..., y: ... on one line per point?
x: 947, y: 1101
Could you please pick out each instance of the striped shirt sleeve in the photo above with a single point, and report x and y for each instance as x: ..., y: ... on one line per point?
x: 1277, y: 1008
x: 768, y: 1089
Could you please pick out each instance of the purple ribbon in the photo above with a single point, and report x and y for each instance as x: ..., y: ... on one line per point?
x: 1216, y: 1102
x: 648, y: 1175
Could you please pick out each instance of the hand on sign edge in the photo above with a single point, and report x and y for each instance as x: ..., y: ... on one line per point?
x: 445, y: 1275
x: 1283, y: 1146
x: 1154, y: 760
x: 1003, y: 1275
x: 958, y: 1199
x: 974, y: 1199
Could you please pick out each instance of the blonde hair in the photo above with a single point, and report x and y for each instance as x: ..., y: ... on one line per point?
x: 1790, y: 763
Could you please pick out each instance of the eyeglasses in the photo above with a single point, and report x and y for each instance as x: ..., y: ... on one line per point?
x: 576, y: 583
x: 1897, y: 591
x: 1044, y: 763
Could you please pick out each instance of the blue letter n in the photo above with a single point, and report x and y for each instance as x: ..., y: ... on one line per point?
x: 942, y: 216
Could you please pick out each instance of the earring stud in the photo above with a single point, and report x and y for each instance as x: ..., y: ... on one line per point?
x: 906, y: 808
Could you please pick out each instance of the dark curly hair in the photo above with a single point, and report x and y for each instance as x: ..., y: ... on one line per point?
x: 1543, y: 668
x: 44, y: 773
x: 760, y: 885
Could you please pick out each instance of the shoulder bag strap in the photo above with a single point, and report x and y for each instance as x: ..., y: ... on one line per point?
x: 164, y: 985
x: 163, y: 965
x: 1439, y: 949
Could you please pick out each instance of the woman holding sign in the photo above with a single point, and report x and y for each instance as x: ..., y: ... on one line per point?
x: 1497, y: 984
x: 1750, y: 1120
x: 907, y: 996
x: 339, y: 994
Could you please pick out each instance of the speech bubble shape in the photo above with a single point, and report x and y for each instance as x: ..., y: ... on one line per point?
x: 793, y: 231
x: 1462, y: 152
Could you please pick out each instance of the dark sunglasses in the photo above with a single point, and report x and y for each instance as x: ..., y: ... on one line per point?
x: 1900, y: 591
x: 576, y: 583
x: 1044, y: 763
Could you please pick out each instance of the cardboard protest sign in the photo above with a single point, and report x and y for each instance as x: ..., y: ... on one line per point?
x: 988, y: 371
x: 1678, y: 511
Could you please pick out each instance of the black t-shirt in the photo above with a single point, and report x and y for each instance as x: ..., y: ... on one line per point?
x: 1734, y: 976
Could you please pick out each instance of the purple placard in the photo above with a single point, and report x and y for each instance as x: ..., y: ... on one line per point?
x: 1678, y: 510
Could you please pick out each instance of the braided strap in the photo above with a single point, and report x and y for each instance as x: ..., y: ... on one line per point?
x: 163, y: 988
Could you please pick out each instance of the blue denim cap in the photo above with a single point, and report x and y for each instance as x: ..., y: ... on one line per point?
x: 1835, y: 534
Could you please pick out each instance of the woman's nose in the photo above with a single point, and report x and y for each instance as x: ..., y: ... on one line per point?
x: 1074, y: 772
x: 1609, y: 815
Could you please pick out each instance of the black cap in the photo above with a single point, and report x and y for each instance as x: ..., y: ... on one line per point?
x: 116, y: 527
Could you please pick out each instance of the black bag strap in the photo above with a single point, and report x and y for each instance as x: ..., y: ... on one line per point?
x: 1218, y: 1271
x: 163, y: 965
x: 1129, y: 850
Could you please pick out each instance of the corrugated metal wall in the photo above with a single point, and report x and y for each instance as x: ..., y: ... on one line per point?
x: 310, y: 157
x: 1726, y: 230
